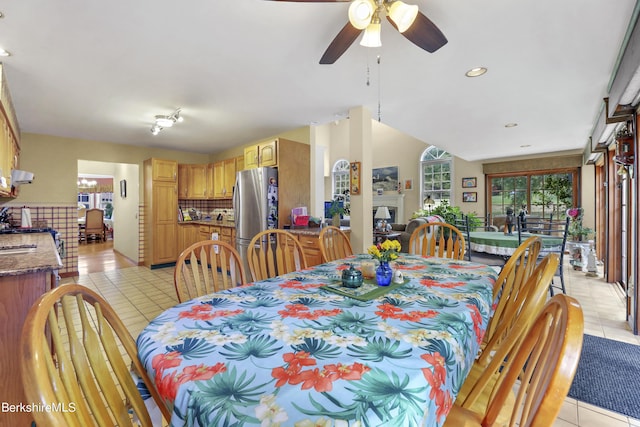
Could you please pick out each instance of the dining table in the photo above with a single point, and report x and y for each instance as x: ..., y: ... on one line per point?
x: 302, y: 350
x: 498, y: 243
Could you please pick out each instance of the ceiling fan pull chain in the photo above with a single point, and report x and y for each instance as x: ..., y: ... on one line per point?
x: 379, y: 84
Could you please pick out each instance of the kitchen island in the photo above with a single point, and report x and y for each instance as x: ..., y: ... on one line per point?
x: 28, y: 263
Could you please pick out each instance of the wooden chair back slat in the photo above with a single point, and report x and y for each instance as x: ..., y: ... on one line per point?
x: 206, y: 267
x: 542, y: 359
x: 512, y: 278
x: 83, y: 362
x: 274, y: 252
x: 334, y: 244
x: 522, y: 311
x: 438, y: 239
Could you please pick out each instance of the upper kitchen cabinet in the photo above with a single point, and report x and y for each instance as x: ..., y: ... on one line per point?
x: 183, y: 181
x: 9, y: 137
x: 262, y: 154
x: 165, y: 170
x: 197, y: 182
x: 224, y: 178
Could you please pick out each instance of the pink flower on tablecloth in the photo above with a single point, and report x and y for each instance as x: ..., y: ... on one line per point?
x: 201, y: 372
x: 296, y: 284
x: 205, y: 312
x: 160, y: 362
x: 301, y: 311
x: 438, y: 362
x: 443, y: 404
x: 433, y: 283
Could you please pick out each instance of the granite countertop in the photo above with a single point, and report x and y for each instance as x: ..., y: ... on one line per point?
x: 312, y: 231
x: 27, y: 253
x: 223, y: 223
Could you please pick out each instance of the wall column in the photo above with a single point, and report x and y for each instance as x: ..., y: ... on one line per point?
x: 361, y: 150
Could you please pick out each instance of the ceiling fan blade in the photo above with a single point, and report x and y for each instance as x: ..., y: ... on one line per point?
x: 424, y: 33
x: 340, y: 44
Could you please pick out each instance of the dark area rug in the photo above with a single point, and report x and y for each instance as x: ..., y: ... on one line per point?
x: 608, y: 376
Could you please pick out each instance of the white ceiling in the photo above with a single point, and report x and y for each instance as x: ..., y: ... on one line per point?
x: 243, y: 70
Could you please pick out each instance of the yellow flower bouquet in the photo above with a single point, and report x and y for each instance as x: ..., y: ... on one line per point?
x: 385, y: 251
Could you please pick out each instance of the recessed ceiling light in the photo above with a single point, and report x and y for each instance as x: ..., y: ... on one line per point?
x: 4, y: 52
x: 476, y: 72
x: 511, y: 125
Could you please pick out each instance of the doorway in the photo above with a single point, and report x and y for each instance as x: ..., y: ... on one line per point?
x: 122, y: 208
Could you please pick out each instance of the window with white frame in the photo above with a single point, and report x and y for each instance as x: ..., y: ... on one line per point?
x: 340, y: 178
x: 435, y: 180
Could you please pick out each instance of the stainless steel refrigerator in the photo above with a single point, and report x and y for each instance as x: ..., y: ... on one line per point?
x: 255, y: 206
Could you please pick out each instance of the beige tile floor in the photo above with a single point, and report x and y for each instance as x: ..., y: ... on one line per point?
x: 139, y: 295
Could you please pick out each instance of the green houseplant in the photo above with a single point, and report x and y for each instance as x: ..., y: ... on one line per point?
x: 449, y: 214
x: 108, y: 210
x: 335, y: 210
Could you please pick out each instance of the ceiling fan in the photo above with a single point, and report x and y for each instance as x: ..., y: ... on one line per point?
x: 365, y: 15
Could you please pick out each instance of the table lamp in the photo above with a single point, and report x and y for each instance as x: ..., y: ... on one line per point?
x: 382, y: 213
x: 428, y: 202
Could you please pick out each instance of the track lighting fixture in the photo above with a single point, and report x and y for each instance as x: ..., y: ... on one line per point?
x: 162, y: 122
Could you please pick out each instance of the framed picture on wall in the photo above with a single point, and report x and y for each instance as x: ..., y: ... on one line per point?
x: 469, y: 196
x: 354, y: 178
x: 469, y: 182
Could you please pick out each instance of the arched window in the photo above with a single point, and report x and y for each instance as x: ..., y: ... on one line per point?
x: 435, y: 180
x: 340, y: 178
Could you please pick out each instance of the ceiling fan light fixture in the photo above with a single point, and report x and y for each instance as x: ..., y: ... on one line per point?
x: 371, y: 37
x: 361, y: 12
x: 403, y: 15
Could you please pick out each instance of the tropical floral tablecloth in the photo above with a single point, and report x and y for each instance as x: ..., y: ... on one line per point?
x: 285, y: 352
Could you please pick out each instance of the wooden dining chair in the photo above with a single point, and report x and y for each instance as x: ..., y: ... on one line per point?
x: 520, y: 313
x: 511, y: 281
x: 93, y: 225
x: 77, y: 353
x: 274, y: 252
x: 206, y: 267
x: 334, y: 244
x: 437, y: 239
x: 542, y: 363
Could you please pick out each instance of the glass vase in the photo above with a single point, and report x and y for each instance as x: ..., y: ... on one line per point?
x: 384, y: 274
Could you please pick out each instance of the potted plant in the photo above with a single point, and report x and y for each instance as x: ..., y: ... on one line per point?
x: 576, y: 231
x: 108, y: 210
x: 335, y: 211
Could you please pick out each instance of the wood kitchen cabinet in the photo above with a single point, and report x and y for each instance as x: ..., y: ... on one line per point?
x: 188, y: 234
x: 311, y: 248
x: 262, y: 154
x: 161, y: 204
x: 224, y: 178
x: 164, y: 170
x: 183, y: 181
x: 192, y: 181
x: 197, y: 182
x: 9, y: 137
x: 23, y: 279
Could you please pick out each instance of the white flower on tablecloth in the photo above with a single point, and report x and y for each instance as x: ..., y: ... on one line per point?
x: 167, y: 334
x: 269, y: 412
x: 320, y: 422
